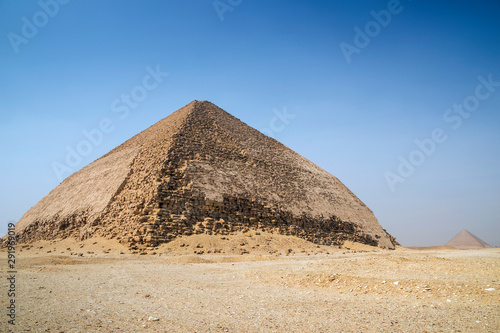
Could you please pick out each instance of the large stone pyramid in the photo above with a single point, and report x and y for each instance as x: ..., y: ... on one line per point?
x: 465, y: 240
x: 201, y: 170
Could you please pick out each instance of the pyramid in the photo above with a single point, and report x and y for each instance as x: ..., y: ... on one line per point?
x: 465, y: 240
x: 201, y: 171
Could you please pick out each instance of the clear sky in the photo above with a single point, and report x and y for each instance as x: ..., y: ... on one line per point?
x: 350, y: 84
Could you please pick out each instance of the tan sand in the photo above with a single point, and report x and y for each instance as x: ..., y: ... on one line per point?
x: 284, y: 284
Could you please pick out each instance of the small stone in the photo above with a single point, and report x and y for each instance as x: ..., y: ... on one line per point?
x: 489, y: 289
x: 396, y: 283
x: 151, y: 318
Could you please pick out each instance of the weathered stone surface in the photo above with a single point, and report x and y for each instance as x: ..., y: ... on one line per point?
x: 201, y: 171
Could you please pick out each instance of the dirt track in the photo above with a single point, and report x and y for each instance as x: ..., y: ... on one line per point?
x: 305, y: 291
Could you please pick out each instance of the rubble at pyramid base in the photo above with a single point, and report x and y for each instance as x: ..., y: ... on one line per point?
x: 183, y: 216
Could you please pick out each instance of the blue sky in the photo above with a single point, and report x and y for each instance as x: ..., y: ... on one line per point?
x: 355, y: 116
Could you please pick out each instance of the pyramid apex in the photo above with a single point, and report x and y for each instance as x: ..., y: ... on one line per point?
x: 200, y: 102
x: 197, y: 104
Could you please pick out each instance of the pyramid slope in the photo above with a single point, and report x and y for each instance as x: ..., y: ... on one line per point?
x: 201, y: 170
x: 466, y: 240
x: 82, y: 198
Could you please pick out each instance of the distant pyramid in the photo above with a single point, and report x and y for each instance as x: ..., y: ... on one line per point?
x: 465, y: 240
x: 201, y: 171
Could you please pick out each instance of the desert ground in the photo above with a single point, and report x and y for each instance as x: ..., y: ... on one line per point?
x: 251, y: 283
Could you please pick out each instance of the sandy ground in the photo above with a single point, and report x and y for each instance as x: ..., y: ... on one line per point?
x: 258, y: 283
